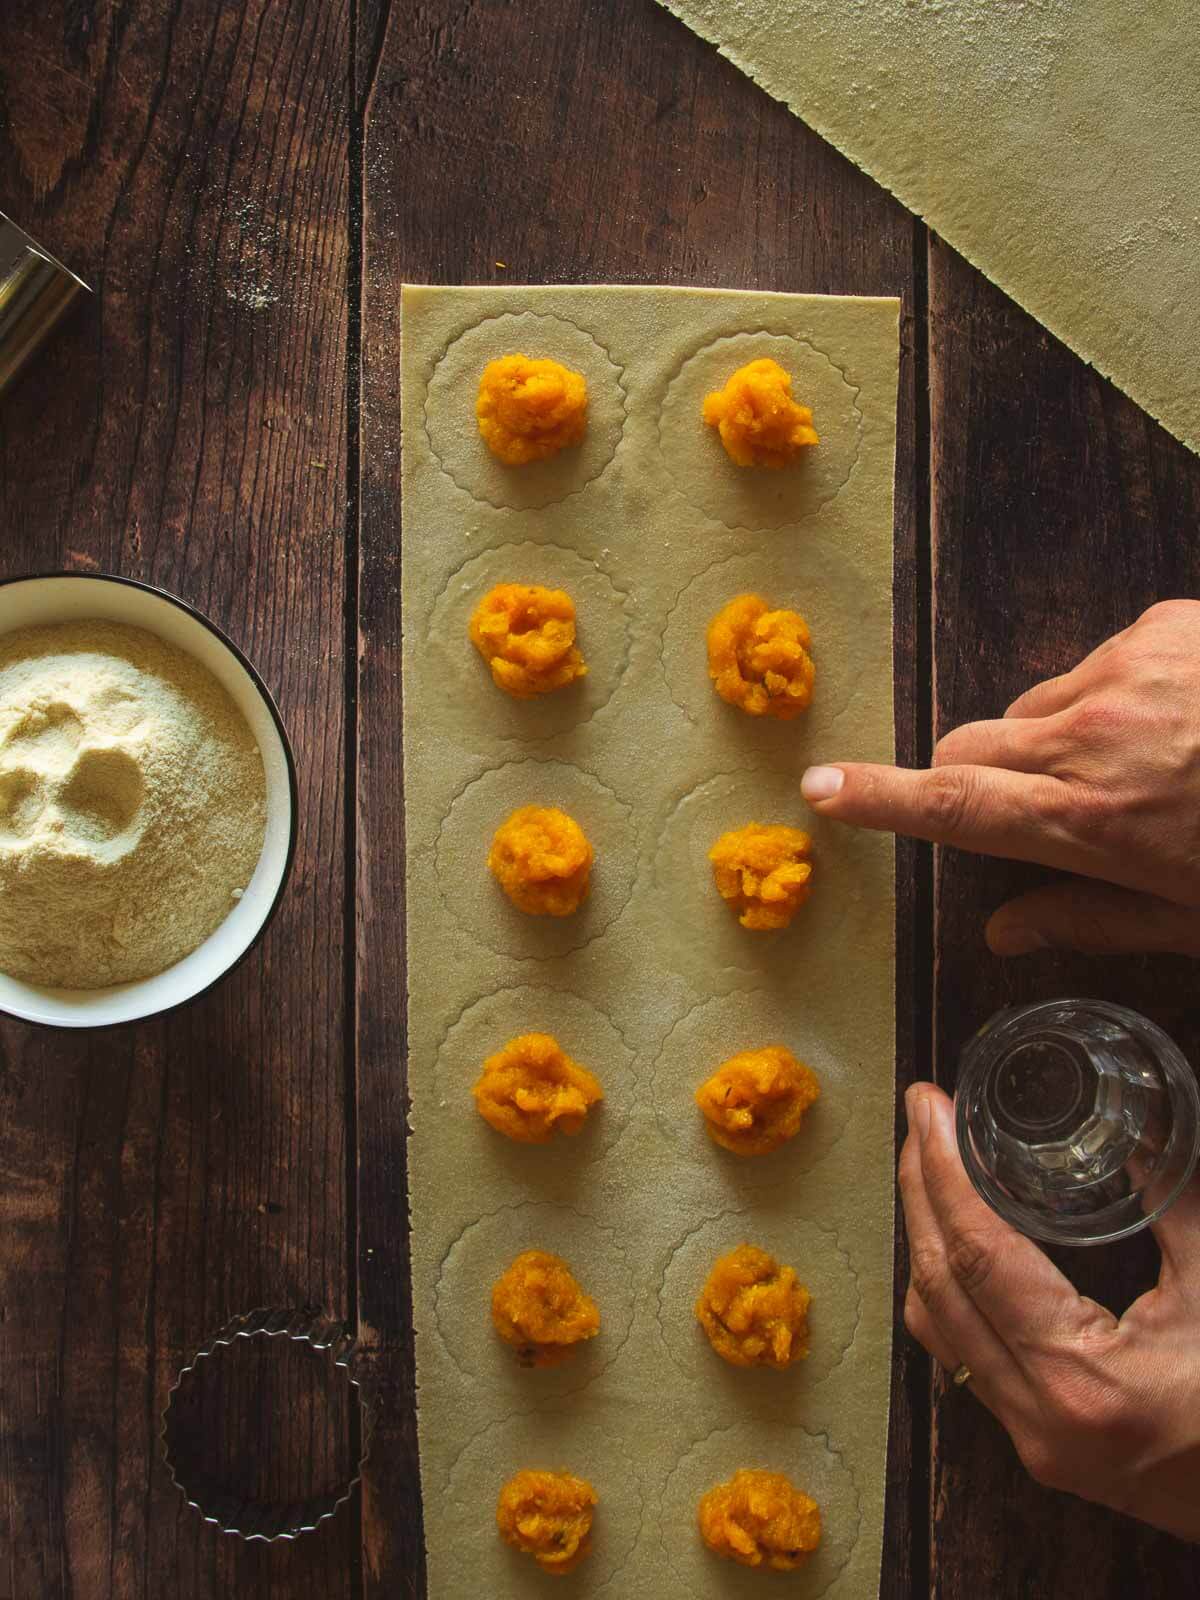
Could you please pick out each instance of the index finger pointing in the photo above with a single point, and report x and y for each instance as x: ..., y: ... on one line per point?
x: 987, y: 809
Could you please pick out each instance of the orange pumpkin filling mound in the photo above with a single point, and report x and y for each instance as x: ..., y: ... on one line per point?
x: 542, y: 860
x: 758, y: 658
x: 754, y: 1311
x: 764, y: 871
x: 529, y: 410
x: 761, y: 1520
x: 539, y: 1308
x: 759, y: 422
x: 532, y: 1090
x: 526, y: 634
x: 548, y: 1515
x: 756, y: 1101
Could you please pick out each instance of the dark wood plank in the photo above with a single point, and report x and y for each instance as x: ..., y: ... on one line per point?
x: 586, y: 143
x: 190, y: 159
x: 1060, y: 512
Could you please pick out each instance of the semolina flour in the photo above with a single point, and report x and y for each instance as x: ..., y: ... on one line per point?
x: 132, y: 804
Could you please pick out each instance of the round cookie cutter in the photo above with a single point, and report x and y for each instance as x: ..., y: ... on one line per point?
x: 251, y: 1519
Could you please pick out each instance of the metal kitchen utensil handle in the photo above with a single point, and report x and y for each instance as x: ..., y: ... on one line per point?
x: 35, y: 291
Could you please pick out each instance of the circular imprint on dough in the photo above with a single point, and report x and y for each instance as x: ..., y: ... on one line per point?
x: 477, y: 1558
x: 588, y: 1036
x: 758, y: 497
x: 486, y: 1249
x: 814, y: 1467
x: 833, y: 596
x: 725, y: 1026
x: 453, y: 431
x: 470, y: 702
x: 701, y: 934
x: 474, y: 898
x: 821, y: 1265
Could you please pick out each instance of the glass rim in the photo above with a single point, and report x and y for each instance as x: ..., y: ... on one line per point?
x: 1177, y: 1072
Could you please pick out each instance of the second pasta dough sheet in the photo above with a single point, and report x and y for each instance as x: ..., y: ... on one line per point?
x: 653, y: 983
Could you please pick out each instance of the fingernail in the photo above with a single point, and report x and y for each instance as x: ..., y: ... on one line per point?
x: 822, y: 783
x: 916, y: 1103
x: 1017, y: 941
x: 920, y: 1114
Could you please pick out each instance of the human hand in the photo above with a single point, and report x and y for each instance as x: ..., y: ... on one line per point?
x: 1096, y: 772
x: 1107, y: 1409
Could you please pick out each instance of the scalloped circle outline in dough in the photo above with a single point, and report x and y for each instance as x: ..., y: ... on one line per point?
x: 737, y: 1016
x: 452, y: 430
x: 749, y: 499
x: 816, y: 1467
x: 795, y: 1241
x: 483, y: 908
x: 824, y: 573
x: 466, y: 682
x: 709, y: 944
x: 486, y: 1248
x: 538, y: 1008
x: 554, y: 1440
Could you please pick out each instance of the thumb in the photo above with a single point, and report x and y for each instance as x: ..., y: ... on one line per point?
x: 1099, y: 918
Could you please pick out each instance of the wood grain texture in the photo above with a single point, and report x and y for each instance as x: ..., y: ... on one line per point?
x: 392, y: 1533
x: 188, y: 427
x: 584, y: 143
x: 247, y: 186
x: 1060, y: 511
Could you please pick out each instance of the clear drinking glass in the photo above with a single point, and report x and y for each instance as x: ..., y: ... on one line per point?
x: 1078, y: 1121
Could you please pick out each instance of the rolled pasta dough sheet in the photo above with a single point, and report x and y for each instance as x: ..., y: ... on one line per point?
x: 1052, y: 142
x: 652, y: 984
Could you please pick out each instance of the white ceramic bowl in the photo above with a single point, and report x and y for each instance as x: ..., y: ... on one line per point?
x: 72, y: 597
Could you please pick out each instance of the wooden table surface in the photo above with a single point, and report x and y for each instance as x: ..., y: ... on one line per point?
x: 246, y: 186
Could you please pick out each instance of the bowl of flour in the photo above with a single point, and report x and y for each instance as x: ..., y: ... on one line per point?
x: 147, y: 801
